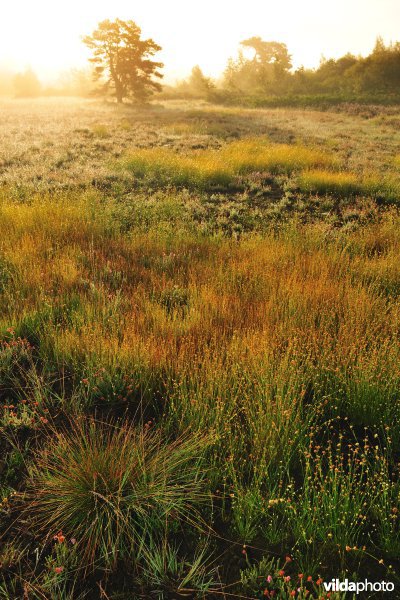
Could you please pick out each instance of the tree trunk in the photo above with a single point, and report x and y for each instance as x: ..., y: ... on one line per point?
x: 119, y: 90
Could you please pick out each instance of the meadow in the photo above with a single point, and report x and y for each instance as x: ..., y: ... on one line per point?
x: 199, y: 350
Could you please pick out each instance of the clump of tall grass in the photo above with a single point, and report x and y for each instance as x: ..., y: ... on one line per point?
x: 258, y: 154
x: 165, y: 166
x: 206, y: 168
x: 344, y: 184
x: 166, y: 572
x: 100, y: 130
x: 334, y: 501
x: 328, y: 182
x: 109, y: 486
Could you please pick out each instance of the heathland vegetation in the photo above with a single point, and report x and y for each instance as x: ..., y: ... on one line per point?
x: 199, y: 350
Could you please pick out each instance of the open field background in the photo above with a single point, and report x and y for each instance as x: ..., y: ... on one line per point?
x: 52, y: 141
x: 199, y: 350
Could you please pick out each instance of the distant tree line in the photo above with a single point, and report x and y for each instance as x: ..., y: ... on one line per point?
x: 268, y: 72
x: 378, y: 72
x: 26, y: 84
x: 122, y: 64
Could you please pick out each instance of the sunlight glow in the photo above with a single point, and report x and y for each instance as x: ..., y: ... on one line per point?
x: 46, y: 35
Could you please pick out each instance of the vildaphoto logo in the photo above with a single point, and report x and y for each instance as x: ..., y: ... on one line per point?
x: 335, y: 585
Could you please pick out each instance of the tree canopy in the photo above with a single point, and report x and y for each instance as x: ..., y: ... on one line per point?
x: 266, y: 70
x: 123, y: 61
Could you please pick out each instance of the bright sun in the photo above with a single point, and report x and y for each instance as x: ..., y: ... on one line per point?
x: 47, y: 35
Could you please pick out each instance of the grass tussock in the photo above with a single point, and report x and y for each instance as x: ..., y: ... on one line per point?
x: 165, y: 166
x: 219, y: 168
x: 110, y: 486
x: 258, y: 154
x: 343, y: 185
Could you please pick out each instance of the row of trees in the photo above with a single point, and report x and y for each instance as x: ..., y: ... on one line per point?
x: 26, y: 84
x: 380, y: 71
x: 268, y: 72
x: 123, y: 63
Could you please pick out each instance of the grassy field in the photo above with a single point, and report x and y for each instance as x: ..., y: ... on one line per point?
x: 199, y: 350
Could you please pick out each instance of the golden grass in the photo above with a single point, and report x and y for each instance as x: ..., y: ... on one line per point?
x: 273, y: 342
x: 345, y: 184
x: 247, y: 340
x: 267, y: 290
x: 100, y: 130
x: 166, y: 166
x: 64, y: 127
x: 258, y: 154
x: 322, y: 181
x: 220, y: 167
x: 280, y: 311
x: 256, y: 323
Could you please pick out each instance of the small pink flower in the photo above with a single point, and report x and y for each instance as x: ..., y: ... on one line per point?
x: 58, y: 570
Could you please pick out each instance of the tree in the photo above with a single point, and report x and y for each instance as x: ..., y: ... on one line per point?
x: 269, y: 53
x: 199, y: 82
x: 196, y: 86
x: 124, y: 59
x: 266, y: 71
x: 27, y: 84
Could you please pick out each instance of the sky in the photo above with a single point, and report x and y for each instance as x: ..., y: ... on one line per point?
x: 46, y: 34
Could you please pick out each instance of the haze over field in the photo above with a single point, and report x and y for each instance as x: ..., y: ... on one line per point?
x: 48, y: 37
